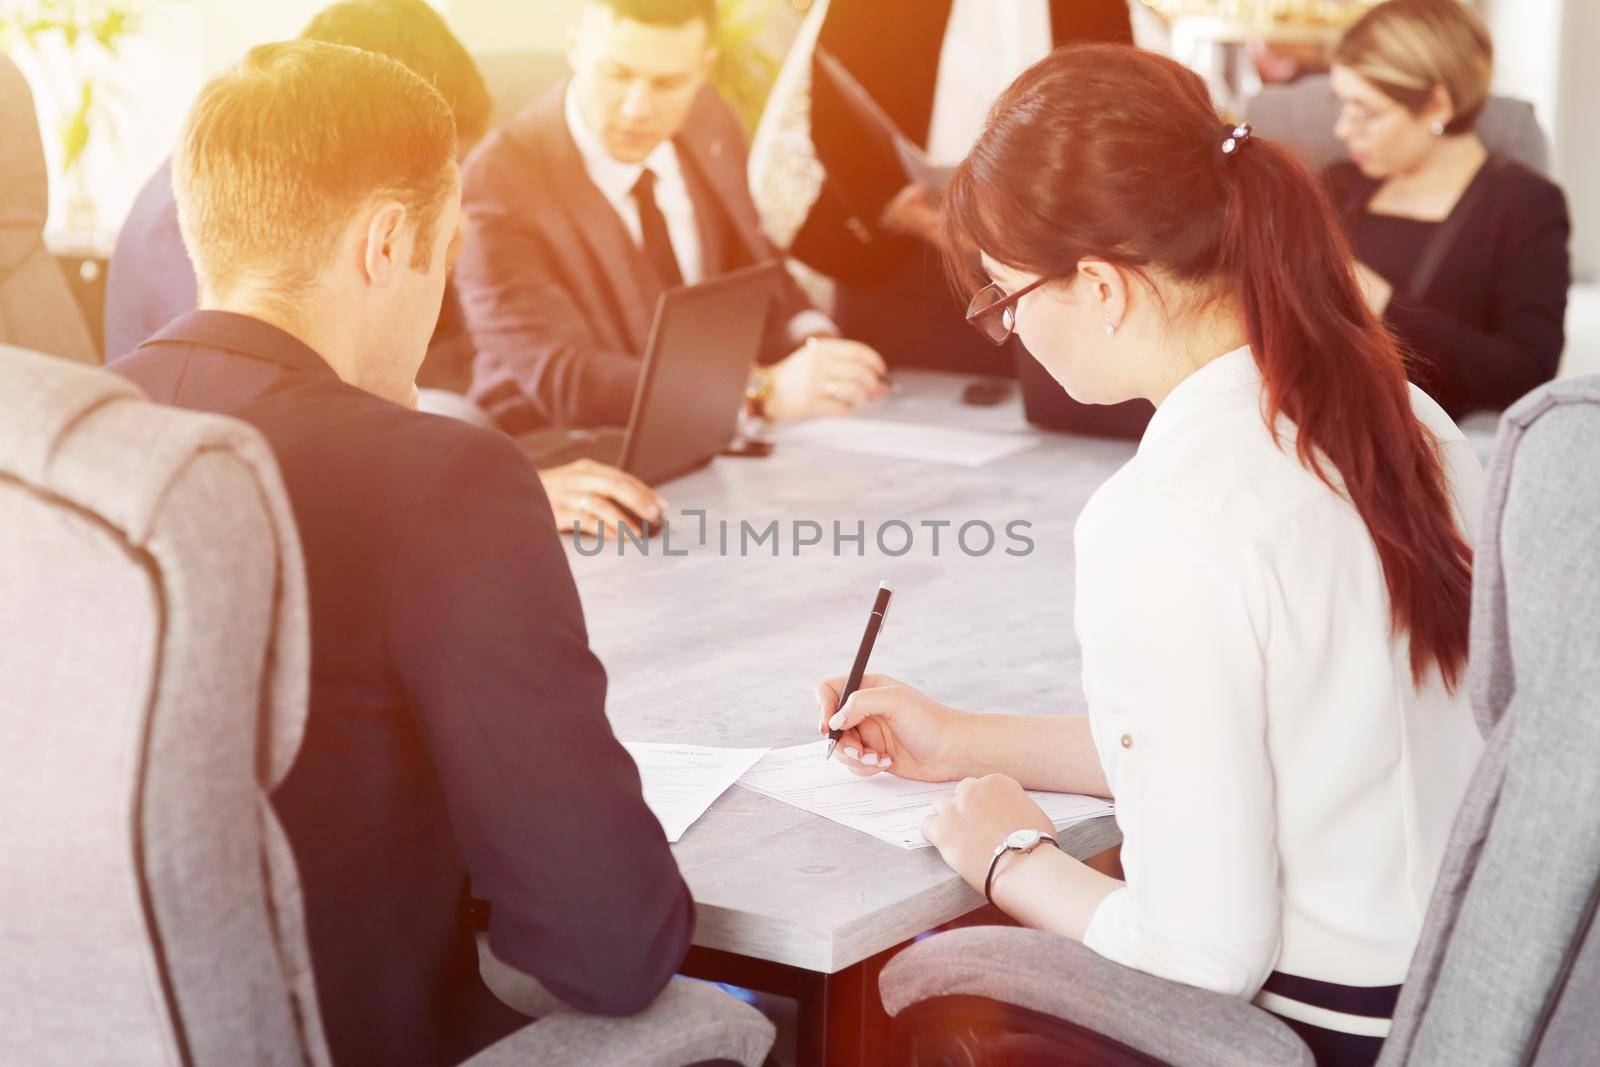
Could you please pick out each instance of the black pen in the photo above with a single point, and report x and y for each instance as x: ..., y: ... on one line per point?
x: 880, y: 608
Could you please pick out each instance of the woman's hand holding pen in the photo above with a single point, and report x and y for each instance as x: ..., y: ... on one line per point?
x: 891, y: 727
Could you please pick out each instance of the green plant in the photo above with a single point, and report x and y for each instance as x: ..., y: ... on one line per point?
x: 749, y: 53
x: 77, y: 42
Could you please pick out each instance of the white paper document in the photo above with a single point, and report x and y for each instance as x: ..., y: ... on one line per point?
x: 906, y: 440
x: 682, y: 781
x: 889, y: 808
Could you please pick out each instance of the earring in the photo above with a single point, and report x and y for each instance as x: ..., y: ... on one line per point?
x: 1111, y: 327
x: 1437, y: 129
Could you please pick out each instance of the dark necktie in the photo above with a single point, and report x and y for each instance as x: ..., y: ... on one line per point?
x: 653, y: 229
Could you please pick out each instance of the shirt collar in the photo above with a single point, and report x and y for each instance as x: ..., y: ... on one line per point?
x: 613, y: 178
x: 1229, y: 371
x: 244, y: 335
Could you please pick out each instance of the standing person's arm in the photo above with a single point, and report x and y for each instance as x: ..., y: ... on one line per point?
x: 487, y: 634
x: 1473, y: 368
x: 521, y: 312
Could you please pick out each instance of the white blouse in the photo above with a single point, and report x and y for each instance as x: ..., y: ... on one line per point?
x: 1284, y: 792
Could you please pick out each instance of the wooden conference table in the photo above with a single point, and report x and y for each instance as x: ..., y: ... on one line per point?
x: 725, y: 649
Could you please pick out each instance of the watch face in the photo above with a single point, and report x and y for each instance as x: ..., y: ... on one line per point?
x: 1023, y: 838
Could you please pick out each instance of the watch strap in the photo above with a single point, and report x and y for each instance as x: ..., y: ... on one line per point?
x: 994, y: 864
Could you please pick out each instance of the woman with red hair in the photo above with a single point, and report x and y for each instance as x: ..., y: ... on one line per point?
x: 1272, y: 596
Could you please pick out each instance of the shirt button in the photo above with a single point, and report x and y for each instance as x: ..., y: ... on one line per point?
x: 1127, y: 740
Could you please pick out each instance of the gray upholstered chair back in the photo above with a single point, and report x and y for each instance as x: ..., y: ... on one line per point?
x: 154, y: 664
x: 153, y: 672
x: 1302, y: 113
x: 1508, y: 970
x: 36, y: 307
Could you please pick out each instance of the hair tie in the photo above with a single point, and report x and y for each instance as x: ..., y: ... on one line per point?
x: 1235, y: 138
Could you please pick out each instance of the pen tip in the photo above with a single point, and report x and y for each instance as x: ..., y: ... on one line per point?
x: 886, y: 585
x: 832, y: 744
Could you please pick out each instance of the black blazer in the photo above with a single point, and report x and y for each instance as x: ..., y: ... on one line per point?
x: 840, y: 236
x: 457, y: 725
x: 1490, y: 325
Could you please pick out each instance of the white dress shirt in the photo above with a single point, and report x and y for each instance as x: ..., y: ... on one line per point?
x: 986, y: 45
x: 1284, y: 792
x: 616, y: 180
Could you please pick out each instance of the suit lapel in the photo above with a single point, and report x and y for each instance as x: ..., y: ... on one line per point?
x: 595, y: 226
x: 714, y: 224
x: 716, y: 182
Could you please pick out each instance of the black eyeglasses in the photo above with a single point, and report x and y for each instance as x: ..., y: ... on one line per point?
x: 994, y: 314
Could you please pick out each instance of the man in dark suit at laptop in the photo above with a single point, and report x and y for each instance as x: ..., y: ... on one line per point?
x: 457, y: 724
x: 623, y: 181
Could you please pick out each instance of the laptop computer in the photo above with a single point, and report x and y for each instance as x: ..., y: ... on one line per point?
x: 703, y: 342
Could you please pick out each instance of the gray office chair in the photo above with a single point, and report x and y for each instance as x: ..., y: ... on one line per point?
x: 36, y: 307
x: 1302, y: 114
x: 1508, y: 967
x: 154, y: 665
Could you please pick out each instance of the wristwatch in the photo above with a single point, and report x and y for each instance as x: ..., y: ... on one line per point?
x: 757, y: 391
x: 1023, y: 841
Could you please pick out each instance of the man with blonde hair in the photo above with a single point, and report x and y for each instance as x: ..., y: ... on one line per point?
x: 150, y: 280
x: 457, y: 725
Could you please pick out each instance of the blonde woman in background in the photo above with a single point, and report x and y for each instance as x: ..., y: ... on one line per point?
x: 1463, y: 252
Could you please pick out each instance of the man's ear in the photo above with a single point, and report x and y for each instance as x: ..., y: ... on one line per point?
x: 382, y: 251
x: 1105, y: 286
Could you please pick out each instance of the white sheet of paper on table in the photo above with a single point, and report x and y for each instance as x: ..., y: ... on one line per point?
x: 906, y: 440
x: 682, y: 781
x: 889, y: 808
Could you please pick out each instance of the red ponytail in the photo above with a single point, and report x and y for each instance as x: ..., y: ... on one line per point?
x: 1108, y: 151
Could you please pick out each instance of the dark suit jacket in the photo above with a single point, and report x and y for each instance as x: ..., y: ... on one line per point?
x: 558, y: 297
x: 841, y: 237
x: 457, y: 725
x: 151, y: 282
x: 1491, y: 323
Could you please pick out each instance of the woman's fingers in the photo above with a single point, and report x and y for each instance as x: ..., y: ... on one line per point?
x: 879, y: 700
x: 828, y: 700
x: 856, y: 759
x: 874, y: 738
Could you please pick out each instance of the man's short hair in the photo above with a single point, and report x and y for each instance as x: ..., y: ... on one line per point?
x: 418, y: 36
x: 664, y: 12
x: 279, y: 153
